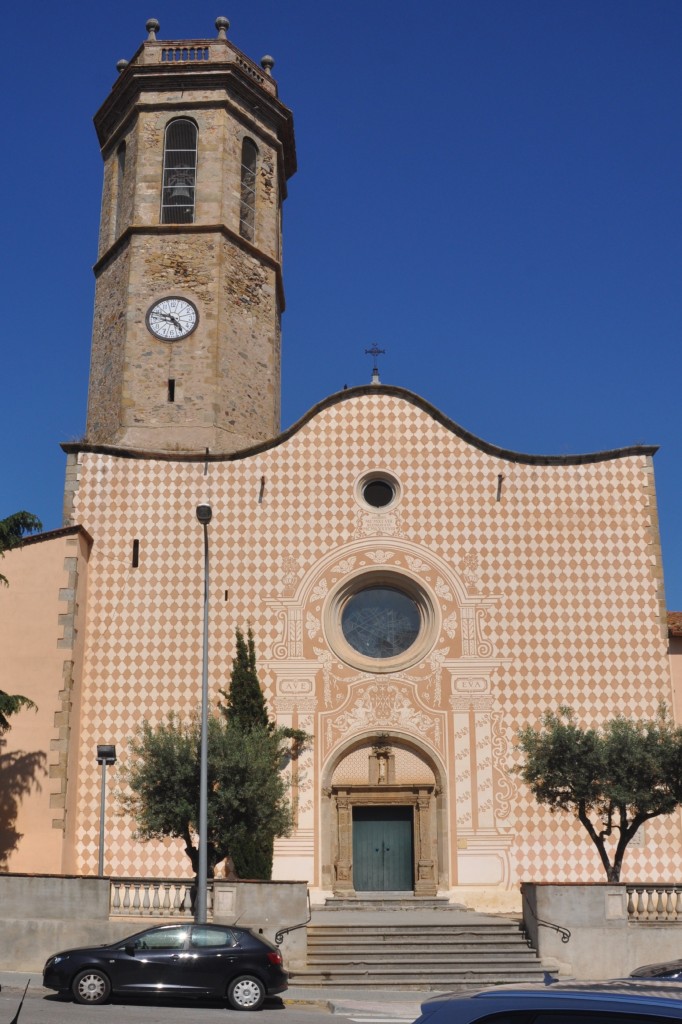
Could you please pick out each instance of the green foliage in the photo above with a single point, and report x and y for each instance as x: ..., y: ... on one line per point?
x: 12, y: 532
x: 246, y: 714
x: 613, y: 778
x: 9, y: 705
x: 246, y: 790
x: 245, y: 705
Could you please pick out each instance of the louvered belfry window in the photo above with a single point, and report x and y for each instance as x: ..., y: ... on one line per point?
x: 120, y: 179
x: 247, y: 210
x: 179, y: 173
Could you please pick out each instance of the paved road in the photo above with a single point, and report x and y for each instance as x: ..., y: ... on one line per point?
x: 43, y: 1007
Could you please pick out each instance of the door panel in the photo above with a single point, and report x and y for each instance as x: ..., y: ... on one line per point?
x: 382, y: 849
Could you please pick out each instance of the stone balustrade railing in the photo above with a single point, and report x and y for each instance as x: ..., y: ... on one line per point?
x: 180, y: 54
x: 654, y: 902
x: 154, y: 897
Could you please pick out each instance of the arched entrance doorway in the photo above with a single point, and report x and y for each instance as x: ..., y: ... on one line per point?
x: 383, y: 816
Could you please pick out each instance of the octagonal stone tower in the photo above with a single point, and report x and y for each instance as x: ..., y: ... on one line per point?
x: 197, y: 150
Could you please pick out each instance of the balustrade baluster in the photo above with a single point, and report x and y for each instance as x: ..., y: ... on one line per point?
x: 631, y: 905
x: 136, y: 898
x: 126, y: 897
x: 668, y: 904
x: 650, y: 894
x: 116, y: 897
x: 640, y: 903
x: 156, y: 902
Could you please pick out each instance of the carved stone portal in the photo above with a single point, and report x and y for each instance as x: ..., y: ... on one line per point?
x: 420, y: 798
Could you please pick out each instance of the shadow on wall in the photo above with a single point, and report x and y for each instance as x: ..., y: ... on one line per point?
x: 20, y: 772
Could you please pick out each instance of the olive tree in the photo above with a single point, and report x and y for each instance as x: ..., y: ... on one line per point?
x: 246, y: 789
x: 612, y: 777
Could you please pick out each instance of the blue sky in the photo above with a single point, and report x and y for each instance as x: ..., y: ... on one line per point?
x: 487, y: 189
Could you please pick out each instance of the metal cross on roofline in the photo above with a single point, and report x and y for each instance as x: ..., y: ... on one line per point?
x: 374, y: 351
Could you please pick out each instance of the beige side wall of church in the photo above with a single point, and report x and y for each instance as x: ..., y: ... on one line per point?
x: 42, y: 615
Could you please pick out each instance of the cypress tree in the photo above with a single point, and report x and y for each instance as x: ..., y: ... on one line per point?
x: 245, y: 707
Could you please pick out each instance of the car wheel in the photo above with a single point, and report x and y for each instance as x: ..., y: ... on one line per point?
x: 246, y: 993
x: 91, y: 987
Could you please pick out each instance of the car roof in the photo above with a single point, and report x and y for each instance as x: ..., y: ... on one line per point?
x: 617, y: 995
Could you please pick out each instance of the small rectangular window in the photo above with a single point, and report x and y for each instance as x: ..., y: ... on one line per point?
x: 136, y: 554
x: 171, y: 390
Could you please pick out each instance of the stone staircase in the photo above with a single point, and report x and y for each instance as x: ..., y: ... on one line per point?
x: 429, y: 947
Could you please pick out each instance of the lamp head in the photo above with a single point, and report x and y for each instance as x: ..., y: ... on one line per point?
x: 204, y: 513
x: 106, y: 753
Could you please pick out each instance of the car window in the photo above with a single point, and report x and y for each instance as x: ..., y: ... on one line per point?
x: 162, y: 938
x: 212, y: 937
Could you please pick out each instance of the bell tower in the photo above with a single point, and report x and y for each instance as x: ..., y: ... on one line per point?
x: 197, y: 151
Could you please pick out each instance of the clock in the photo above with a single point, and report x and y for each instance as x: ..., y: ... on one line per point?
x: 172, y: 318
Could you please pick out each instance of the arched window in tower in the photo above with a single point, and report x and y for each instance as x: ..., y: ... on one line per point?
x: 120, y: 177
x: 247, y: 210
x: 179, y: 172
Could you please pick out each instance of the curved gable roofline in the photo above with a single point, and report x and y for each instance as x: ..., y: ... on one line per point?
x: 360, y: 392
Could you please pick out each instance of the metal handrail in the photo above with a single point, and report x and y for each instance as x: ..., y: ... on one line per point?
x: 563, y: 932
x: 279, y: 935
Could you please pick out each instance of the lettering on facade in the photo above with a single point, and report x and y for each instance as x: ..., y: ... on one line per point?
x: 470, y: 684
x: 291, y: 686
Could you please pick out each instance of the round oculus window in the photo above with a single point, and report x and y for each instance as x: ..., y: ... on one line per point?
x: 378, y: 493
x: 380, y: 622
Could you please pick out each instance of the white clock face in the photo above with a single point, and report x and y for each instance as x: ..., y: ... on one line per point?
x: 172, y: 318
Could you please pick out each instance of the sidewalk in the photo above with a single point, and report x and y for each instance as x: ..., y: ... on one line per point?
x: 372, y: 1004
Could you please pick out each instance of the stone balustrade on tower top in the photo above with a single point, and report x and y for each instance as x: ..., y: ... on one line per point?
x: 200, y: 52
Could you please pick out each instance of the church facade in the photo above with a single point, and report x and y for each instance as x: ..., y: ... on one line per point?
x: 416, y: 594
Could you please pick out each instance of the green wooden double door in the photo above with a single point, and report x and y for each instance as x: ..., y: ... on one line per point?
x: 383, y: 849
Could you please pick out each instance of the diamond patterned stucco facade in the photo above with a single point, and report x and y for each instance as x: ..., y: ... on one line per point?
x: 543, y: 583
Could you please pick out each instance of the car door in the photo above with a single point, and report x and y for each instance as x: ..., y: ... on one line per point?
x: 152, y: 961
x: 214, y: 956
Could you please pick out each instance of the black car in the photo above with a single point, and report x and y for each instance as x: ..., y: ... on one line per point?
x: 671, y: 970
x: 205, y: 960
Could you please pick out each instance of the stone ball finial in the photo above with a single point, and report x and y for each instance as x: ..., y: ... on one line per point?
x: 121, y: 65
x: 222, y: 24
x: 267, y: 63
x: 152, y: 27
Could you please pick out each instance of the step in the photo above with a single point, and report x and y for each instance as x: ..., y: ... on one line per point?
x: 418, y: 957
x: 418, y: 930
x: 392, y: 904
x: 401, y: 970
x: 403, y: 983
x: 413, y: 935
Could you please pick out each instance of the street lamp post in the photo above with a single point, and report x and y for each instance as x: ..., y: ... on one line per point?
x: 204, y: 515
x: 106, y: 754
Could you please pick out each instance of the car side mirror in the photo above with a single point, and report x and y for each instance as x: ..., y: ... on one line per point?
x: 130, y: 949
